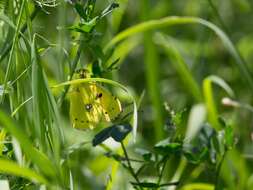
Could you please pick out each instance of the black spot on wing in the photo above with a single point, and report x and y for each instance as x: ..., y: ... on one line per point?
x: 99, y: 95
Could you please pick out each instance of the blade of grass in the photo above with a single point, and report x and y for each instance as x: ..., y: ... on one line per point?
x: 122, y: 51
x: 180, y: 65
x: 2, y: 138
x: 10, y: 167
x: 10, y: 63
x: 117, y: 15
x: 202, y: 186
x: 39, y: 101
x: 61, y: 37
x: 45, y: 113
x: 176, y: 20
x: 151, y: 61
x: 209, y: 99
x: 196, y: 119
x: 37, y: 157
x: 23, y: 29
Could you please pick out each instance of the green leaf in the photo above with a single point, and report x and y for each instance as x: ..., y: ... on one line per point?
x: 166, y: 147
x: 109, y: 9
x: 85, y: 27
x: 222, y: 122
x: 195, y: 155
x: 10, y: 167
x: 147, y: 155
x: 80, y: 10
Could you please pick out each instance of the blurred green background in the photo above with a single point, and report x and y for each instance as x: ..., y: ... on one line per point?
x: 169, y: 64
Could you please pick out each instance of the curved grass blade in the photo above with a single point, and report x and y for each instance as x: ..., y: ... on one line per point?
x: 176, y: 20
x: 10, y: 167
x: 209, y: 99
x: 180, y: 66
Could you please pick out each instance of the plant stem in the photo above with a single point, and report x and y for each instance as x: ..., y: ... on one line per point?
x: 162, y: 172
x: 129, y: 164
x: 218, y: 171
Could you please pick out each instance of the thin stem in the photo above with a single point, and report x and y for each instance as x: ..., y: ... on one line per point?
x: 129, y: 164
x: 169, y: 184
x: 122, y: 158
x: 162, y: 185
x: 162, y: 172
x: 218, y: 171
x: 20, y: 106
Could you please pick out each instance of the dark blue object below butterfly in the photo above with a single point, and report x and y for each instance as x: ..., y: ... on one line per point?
x: 117, y: 132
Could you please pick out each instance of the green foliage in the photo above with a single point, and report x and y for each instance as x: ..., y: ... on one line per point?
x: 179, y: 68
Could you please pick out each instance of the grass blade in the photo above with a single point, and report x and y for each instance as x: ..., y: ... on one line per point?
x: 181, y: 67
x: 151, y: 61
x: 209, y: 99
x: 37, y: 157
x: 176, y: 20
x: 10, y: 167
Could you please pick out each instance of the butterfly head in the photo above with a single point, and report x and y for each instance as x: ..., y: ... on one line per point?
x: 81, y: 74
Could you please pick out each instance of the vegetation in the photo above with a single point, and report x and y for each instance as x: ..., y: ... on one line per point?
x: 174, y: 109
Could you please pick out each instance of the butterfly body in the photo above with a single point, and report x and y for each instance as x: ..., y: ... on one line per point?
x: 90, y: 104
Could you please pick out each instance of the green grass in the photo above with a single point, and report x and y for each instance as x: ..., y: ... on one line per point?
x: 171, y: 63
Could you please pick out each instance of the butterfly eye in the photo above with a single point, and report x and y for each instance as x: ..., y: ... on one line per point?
x: 88, y: 107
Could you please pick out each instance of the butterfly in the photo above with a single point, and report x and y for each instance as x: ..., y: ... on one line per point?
x: 91, y: 103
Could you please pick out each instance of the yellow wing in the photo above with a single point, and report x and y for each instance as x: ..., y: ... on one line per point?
x: 82, y: 113
x: 110, y: 104
x: 91, y: 104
